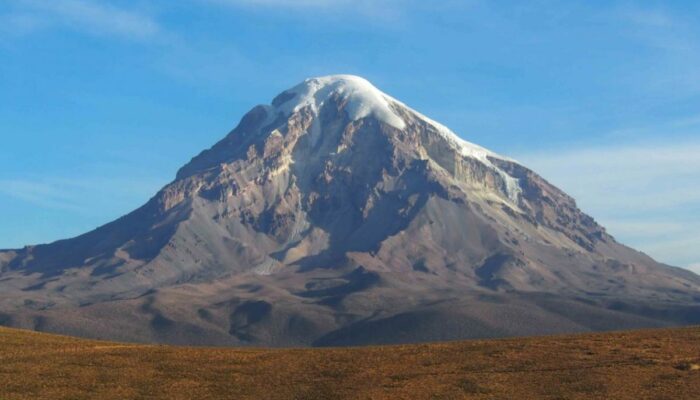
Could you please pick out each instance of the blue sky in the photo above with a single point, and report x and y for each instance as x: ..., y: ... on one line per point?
x: 101, y: 101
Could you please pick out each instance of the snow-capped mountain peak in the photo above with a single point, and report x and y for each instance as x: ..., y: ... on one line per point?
x: 338, y: 215
x: 364, y: 99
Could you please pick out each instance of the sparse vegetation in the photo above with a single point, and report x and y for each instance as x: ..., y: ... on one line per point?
x: 621, y: 365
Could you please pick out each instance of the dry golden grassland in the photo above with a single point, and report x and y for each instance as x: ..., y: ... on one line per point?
x: 647, y: 364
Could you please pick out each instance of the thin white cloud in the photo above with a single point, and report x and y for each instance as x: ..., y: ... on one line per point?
x: 648, y: 17
x: 357, y: 4
x: 646, y: 229
x: 20, y: 24
x: 642, y: 177
x: 283, y: 3
x: 84, y: 196
x: 94, y: 17
x: 646, y: 195
x: 41, y: 194
x: 299, y: 4
x: 695, y: 267
x: 377, y: 10
x: 673, y: 37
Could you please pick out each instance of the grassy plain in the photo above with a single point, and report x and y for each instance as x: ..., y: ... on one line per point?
x: 645, y: 364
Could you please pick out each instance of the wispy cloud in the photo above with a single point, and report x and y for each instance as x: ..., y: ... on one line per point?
x: 300, y: 4
x: 80, y: 195
x: 20, y: 23
x: 378, y: 10
x: 694, y: 267
x: 673, y: 38
x: 646, y: 195
x: 372, y: 8
x: 283, y: 3
x: 657, y: 18
x: 41, y: 209
x: 643, y: 177
x: 93, y: 17
x: 43, y: 194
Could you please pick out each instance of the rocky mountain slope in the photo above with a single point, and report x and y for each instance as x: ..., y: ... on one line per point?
x: 338, y: 215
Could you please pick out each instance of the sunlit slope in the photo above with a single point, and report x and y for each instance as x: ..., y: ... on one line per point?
x: 637, y: 364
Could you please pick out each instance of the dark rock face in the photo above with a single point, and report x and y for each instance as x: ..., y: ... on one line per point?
x: 339, y: 216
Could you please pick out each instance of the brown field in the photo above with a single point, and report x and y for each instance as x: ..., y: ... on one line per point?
x: 648, y: 364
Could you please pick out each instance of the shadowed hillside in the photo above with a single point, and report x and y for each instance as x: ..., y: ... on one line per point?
x: 658, y: 364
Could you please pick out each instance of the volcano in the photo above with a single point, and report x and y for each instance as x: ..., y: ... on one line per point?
x: 337, y: 215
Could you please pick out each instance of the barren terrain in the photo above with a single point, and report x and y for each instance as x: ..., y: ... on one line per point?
x: 645, y: 364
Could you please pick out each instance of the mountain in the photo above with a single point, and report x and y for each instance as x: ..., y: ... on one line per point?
x: 338, y: 216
